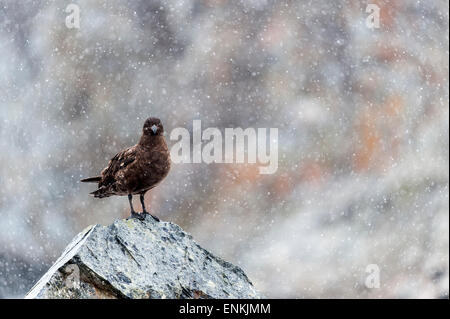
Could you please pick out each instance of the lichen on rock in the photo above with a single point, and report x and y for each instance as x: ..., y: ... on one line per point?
x: 140, y: 259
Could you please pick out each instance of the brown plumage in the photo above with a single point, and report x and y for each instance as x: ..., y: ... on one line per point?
x: 136, y: 169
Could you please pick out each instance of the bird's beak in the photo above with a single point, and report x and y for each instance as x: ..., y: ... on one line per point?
x: 154, y: 128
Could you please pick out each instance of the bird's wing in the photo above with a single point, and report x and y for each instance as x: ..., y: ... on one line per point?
x: 116, y: 164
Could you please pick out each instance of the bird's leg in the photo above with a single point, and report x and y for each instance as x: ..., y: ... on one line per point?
x: 133, y: 213
x: 141, y: 196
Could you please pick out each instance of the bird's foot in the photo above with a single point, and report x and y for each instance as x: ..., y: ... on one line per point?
x: 147, y: 213
x: 137, y: 216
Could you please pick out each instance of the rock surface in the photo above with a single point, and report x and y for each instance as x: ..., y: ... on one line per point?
x: 140, y: 259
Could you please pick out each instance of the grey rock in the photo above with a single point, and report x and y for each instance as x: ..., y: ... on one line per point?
x: 140, y: 259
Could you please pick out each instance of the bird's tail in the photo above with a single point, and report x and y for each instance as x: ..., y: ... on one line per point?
x: 101, y: 192
x: 95, y: 179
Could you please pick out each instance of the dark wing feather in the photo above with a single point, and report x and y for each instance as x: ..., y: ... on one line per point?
x: 95, y: 179
x: 117, y: 163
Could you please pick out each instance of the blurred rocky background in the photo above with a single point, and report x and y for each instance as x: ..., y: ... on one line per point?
x: 363, y: 135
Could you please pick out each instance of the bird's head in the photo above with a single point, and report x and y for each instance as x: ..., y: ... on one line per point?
x: 153, y: 126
